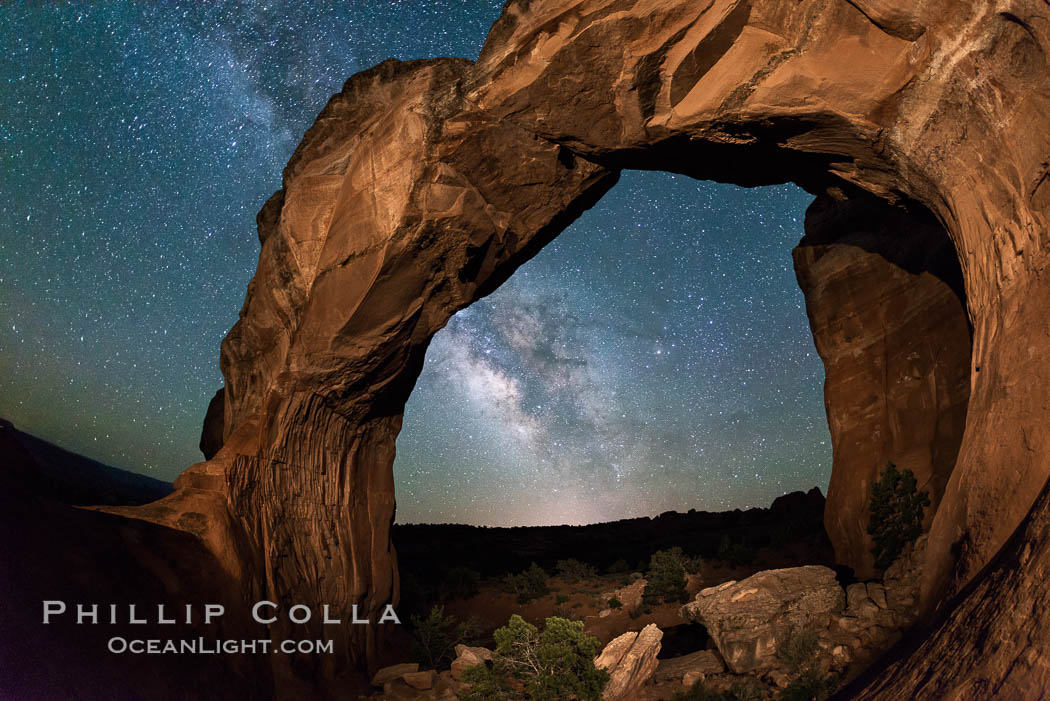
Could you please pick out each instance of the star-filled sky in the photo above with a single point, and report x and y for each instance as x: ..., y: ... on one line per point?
x: 655, y: 356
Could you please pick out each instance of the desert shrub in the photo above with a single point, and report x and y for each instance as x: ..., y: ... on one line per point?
x: 689, y: 563
x: 635, y: 612
x: 734, y: 552
x: 574, y: 570
x: 435, y: 636
x: 414, y: 595
x: 748, y: 689
x: 810, y: 685
x: 554, y: 665
x: 618, y: 567
x: 460, y: 583
x: 895, y: 512
x: 528, y: 585
x: 700, y: 692
x: 797, y: 649
x: 614, y: 603
x: 561, y: 598
x: 744, y: 690
x: 665, y: 579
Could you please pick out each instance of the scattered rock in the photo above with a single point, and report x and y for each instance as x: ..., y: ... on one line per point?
x: 482, y: 653
x: 691, y: 678
x: 389, y: 674
x: 630, y: 596
x: 700, y: 664
x: 858, y: 603
x: 419, y: 680
x: 748, y: 619
x: 461, y: 665
x: 631, y: 662
x: 467, y: 657
x: 877, y: 593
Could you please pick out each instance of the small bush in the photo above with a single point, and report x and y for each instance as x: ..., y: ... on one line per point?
x: 811, y: 685
x: 666, y: 578
x: 635, y: 612
x: 700, y: 692
x: 554, y: 665
x: 528, y: 585
x: 749, y: 689
x: 614, y: 603
x: 460, y: 583
x: 434, y: 637
x: 735, y: 553
x: 798, y: 649
x: 561, y: 598
x: 574, y: 570
x: 895, y: 512
x: 618, y: 567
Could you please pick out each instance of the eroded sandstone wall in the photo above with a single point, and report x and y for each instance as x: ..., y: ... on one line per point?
x: 885, y: 301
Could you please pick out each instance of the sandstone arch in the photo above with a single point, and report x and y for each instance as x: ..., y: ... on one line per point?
x: 423, y: 185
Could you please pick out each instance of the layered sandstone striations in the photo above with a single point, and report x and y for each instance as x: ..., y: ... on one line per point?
x: 422, y: 186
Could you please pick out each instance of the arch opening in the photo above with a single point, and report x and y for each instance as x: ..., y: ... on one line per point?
x: 883, y: 292
x: 655, y: 356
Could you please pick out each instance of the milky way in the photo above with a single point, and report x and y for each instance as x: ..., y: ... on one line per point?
x: 655, y: 356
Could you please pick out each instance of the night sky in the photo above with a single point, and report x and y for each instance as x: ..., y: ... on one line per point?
x: 655, y: 356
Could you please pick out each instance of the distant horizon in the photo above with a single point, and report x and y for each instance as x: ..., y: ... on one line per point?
x: 4, y: 420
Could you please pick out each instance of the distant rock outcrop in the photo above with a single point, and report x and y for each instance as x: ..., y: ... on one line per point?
x: 69, y: 478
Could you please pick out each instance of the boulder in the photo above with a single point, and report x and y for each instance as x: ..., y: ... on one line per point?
x: 877, y: 593
x: 393, y: 672
x: 631, y: 661
x: 629, y: 596
x: 695, y: 665
x: 749, y: 619
x: 483, y: 654
x: 467, y: 657
x: 859, y: 604
x: 419, y: 680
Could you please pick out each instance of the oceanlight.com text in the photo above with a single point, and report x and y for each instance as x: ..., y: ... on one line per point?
x: 202, y: 646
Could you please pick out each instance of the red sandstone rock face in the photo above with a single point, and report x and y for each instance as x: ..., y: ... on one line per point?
x: 423, y: 186
x: 883, y: 289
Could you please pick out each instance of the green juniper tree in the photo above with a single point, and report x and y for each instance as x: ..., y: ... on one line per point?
x: 895, y: 514
x: 552, y: 665
x: 666, y: 578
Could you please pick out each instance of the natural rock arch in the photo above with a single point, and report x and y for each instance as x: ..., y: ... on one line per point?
x: 423, y: 185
